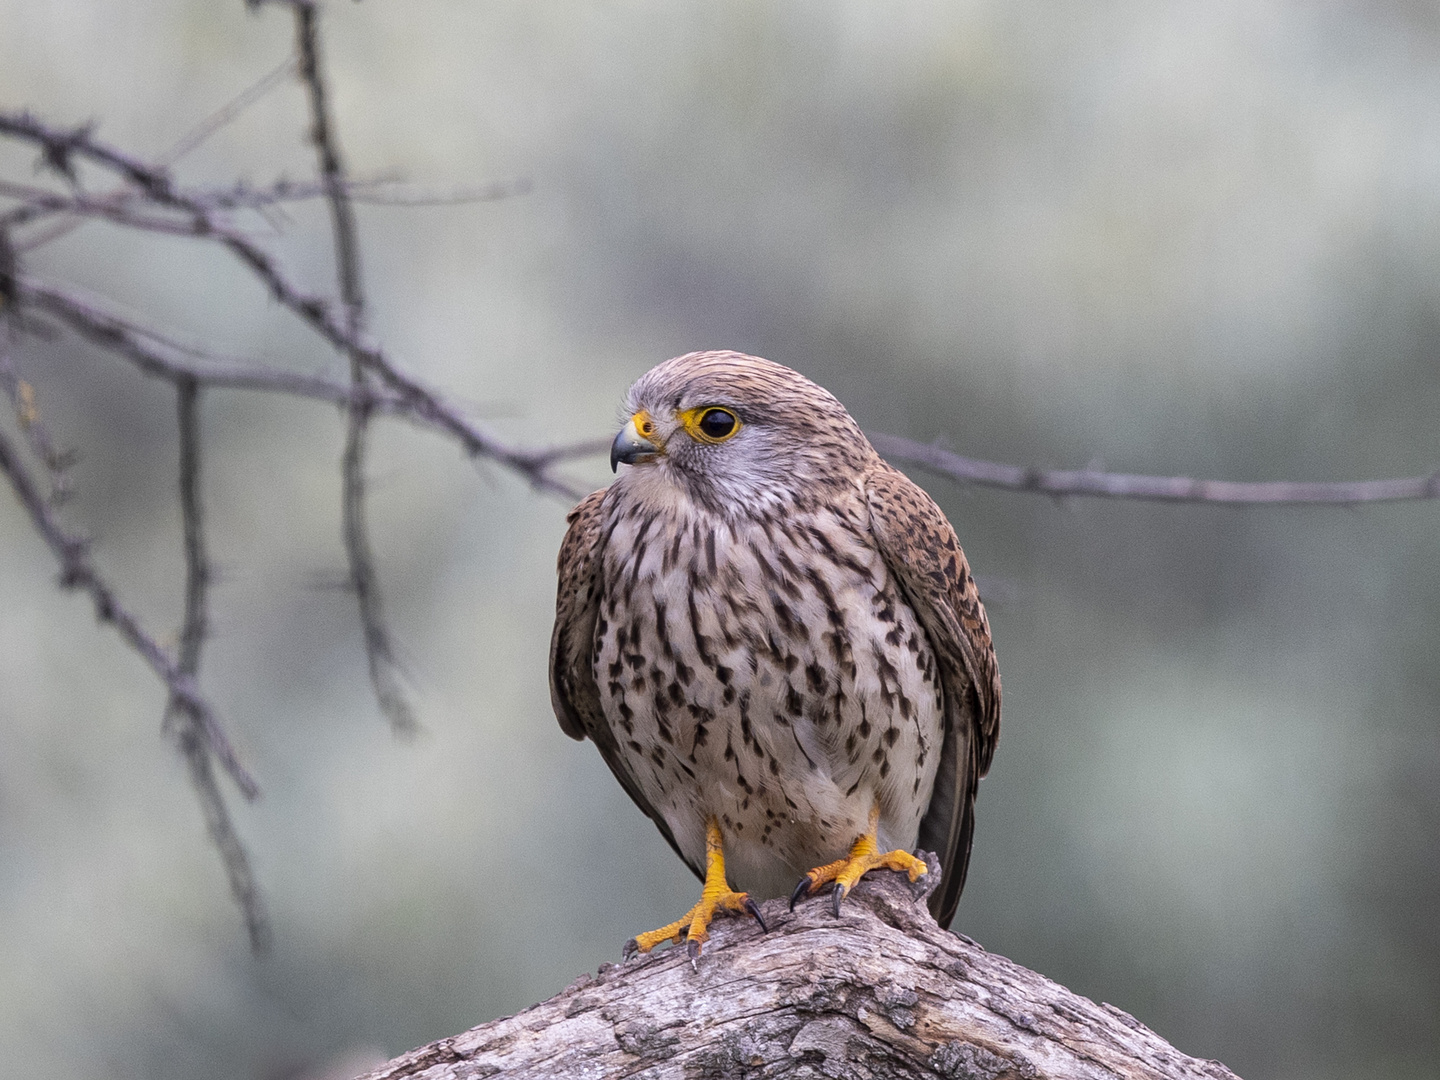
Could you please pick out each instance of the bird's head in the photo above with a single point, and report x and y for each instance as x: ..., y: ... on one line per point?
x: 736, y: 433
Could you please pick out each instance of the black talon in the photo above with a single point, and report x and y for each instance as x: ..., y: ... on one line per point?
x: 839, y: 894
x: 754, y: 909
x: 692, y: 950
x: 801, y: 891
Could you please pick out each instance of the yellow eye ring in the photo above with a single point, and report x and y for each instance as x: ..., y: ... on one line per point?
x: 710, y: 424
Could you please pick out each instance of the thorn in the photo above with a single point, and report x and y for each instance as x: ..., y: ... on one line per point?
x: 754, y: 909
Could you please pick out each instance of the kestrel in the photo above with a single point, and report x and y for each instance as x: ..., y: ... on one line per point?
x: 775, y: 642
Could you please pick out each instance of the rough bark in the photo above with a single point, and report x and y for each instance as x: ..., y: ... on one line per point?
x: 880, y: 991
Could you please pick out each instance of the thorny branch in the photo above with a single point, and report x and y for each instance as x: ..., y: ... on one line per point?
x: 180, y: 717
x: 118, y: 206
x: 155, y: 354
x: 188, y: 142
x: 152, y: 202
x: 59, y: 149
x: 385, y: 674
x: 78, y: 572
x: 149, y: 199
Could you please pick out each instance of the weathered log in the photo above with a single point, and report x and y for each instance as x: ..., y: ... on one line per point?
x: 881, y: 991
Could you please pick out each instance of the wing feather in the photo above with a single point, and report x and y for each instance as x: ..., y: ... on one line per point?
x: 573, y: 692
x: 921, y: 550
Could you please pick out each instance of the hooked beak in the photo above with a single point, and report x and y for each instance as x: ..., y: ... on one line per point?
x: 636, y: 443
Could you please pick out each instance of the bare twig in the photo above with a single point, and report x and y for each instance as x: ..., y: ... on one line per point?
x: 11, y: 190
x: 139, y: 345
x: 20, y: 393
x: 9, y: 270
x: 188, y: 142
x: 380, y: 191
x: 1155, y: 488
x: 42, y: 204
x: 60, y: 147
x: 222, y: 833
x: 127, y: 208
x: 227, y: 113
x: 385, y: 674
x: 197, y: 564
x: 117, y: 205
x: 150, y: 351
x: 77, y: 572
x: 179, y: 716
x: 147, y: 349
x: 332, y: 171
x: 150, y: 189
x: 409, y: 195
x: 420, y: 407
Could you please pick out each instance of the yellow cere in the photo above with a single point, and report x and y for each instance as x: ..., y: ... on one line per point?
x: 643, y: 424
x: 713, y: 417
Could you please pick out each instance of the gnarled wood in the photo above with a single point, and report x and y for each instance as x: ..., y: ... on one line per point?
x: 881, y: 991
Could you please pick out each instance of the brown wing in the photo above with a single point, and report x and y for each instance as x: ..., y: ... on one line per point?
x: 573, y: 693
x: 921, y: 550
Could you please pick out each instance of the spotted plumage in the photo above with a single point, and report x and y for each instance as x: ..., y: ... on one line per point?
x: 763, y: 625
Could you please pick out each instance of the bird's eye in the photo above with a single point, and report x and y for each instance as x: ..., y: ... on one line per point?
x: 717, y: 424
x: 710, y: 423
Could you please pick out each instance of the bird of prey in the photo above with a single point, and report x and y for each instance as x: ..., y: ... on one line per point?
x: 775, y: 642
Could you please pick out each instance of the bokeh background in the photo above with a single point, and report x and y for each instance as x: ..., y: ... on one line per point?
x: 1198, y: 238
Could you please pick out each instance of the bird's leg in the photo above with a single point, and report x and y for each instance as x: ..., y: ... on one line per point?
x: 694, y: 927
x: 865, y: 855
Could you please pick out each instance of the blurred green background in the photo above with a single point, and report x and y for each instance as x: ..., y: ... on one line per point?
x: 1197, y: 238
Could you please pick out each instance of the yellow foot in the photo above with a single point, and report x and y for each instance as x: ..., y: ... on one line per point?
x: 864, y: 856
x: 694, y: 927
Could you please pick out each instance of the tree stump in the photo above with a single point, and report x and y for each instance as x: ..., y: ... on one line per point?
x: 881, y: 991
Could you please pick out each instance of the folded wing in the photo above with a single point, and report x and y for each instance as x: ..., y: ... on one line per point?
x: 573, y: 693
x: 922, y: 552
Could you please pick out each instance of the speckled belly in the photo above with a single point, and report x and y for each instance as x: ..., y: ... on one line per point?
x: 771, y: 676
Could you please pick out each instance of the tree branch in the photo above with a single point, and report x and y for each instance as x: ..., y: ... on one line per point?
x: 227, y: 113
x: 151, y: 353
x: 880, y: 991
x: 77, y: 572
x: 157, y: 355
x: 20, y: 393
x: 385, y: 673
x: 118, y: 206
x: 59, y: 149
x: 1155, y: 488
x: 179, y: 716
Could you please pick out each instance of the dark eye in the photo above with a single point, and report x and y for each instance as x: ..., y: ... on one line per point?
x: 717, y: 423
